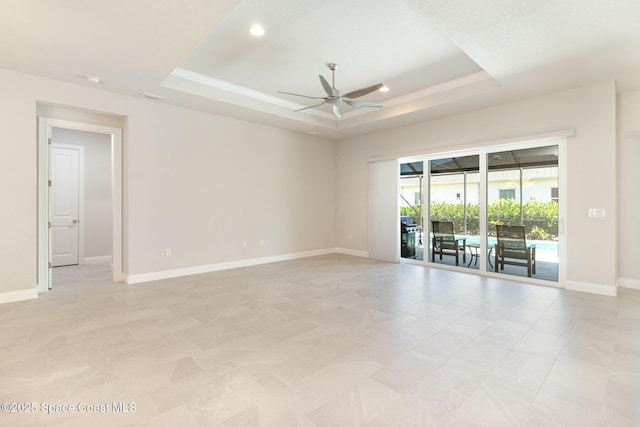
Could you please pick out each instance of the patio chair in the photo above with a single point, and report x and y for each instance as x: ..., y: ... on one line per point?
x: 512, y: 247
x: 444, y: 241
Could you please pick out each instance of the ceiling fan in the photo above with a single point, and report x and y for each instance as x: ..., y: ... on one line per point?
x: 334, y: 98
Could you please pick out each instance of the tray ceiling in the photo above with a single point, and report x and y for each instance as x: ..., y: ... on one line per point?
x: 437, y: 58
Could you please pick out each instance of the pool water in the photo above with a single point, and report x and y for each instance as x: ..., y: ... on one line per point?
x: 546, y: 250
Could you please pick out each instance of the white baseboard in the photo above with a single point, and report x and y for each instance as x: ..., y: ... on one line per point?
x: 199, y: 269
x: 628, y: 283
x: 592, y: 288
x: 96, y: 259
x: 362, y: 254
x: 14, y: 296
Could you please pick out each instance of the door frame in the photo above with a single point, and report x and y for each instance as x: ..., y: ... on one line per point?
x: 81, y: 171
x: 45, y: 127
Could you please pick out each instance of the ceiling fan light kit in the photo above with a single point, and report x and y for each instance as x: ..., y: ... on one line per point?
x: 333, y: 95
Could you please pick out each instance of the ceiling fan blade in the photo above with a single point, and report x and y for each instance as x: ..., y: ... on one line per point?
x: 325, y: 84
x: 361, y: 104
x: 361, y: 92
x: 337, y: 110
x: 305, y: 96
x: 306, y: 108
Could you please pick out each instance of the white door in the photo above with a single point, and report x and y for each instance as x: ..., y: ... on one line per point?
x: 64, y: 205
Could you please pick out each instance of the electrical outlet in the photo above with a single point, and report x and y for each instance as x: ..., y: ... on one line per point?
x: 261, y: 242
x: 167, y: 252
x: 245, y: 244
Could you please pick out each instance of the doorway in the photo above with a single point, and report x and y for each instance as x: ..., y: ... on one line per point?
x: 51, y: 131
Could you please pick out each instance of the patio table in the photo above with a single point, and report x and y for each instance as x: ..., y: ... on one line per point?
x: 474, y: 250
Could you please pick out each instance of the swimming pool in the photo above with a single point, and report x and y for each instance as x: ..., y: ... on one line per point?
x: 546, y: 250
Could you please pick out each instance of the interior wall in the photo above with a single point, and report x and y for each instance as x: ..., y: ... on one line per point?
x: 197, y: 183
x: 628, y: 194
x: 18, y: 190
x: 590, y: 111
x: 204, y: 185
x: 98, y: 218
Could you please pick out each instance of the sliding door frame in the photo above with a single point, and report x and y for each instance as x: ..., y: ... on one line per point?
x: 560, y: 141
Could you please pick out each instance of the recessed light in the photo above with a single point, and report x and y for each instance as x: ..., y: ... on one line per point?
x: 257, y: 30
x: 93, y: 79
x: 384, y: 89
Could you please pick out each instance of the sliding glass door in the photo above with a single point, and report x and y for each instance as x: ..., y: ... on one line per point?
x: 454, y: 210
x: 522, y: 212
x: 491, y: 210
x: 411, y: 211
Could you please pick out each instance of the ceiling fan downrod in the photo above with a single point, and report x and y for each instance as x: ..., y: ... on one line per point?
x: 333, y: 67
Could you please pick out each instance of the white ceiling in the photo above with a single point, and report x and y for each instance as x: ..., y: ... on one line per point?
x: 437, y: 57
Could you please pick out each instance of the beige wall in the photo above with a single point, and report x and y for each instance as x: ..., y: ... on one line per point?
x: 590, y: 111
x: 181, y: 172
x: 17, y: 189
x: 628, y: 191
x: 185, y: 169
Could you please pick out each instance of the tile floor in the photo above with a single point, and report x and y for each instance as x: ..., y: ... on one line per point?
x: 325, y: 341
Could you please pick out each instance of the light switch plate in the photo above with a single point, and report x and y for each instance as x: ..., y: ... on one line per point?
x: 596, y: 213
